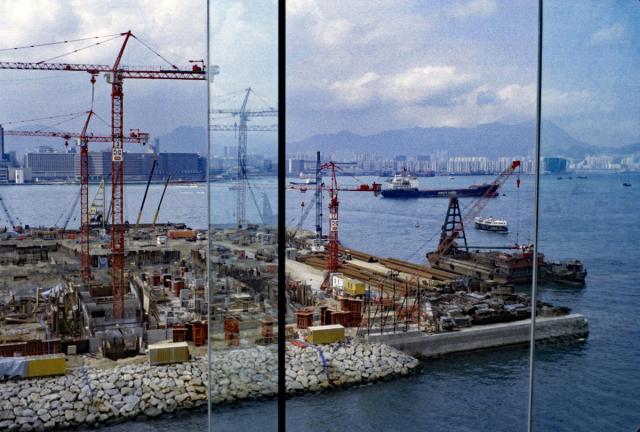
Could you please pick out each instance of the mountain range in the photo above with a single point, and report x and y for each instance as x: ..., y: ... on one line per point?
x: 492, y: 140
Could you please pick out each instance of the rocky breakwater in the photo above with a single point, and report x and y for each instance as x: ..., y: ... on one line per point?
x: 90, y: 397
x: 314, y: 368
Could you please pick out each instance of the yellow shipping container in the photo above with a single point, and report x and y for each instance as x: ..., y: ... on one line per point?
x: 354, y: 287
x: 326, y: 334
x: 165, y: 353
x: 46, y: 365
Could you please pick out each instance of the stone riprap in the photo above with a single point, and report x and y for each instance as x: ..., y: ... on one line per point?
x: 89, y: 397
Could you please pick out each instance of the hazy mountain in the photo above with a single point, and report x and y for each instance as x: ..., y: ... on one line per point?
x: 492, y: 140
x: 193, y: 139
x: 184, y: 139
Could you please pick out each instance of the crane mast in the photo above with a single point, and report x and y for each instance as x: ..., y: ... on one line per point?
x: 318, y: 240
x: 333, y: 261
x: 244, y: 116
x: 85, y: 259
x: 242, y: 164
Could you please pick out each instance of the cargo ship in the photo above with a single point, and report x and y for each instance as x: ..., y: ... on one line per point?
x: 407, y: 186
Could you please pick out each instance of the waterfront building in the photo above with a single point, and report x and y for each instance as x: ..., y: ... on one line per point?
x: 554, y: 165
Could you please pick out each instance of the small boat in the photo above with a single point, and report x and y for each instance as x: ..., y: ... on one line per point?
x: 559, y: 178
x: 451, y: 178
x: 491, y: 224
x: 567, y: 271
x: 303, y: 182
x: 625, y: 184
x: 417, y: 224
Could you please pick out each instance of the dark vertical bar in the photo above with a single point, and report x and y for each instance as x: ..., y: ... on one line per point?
x: 282, y: 305
x: 209, y: 236
x: 536, y: 214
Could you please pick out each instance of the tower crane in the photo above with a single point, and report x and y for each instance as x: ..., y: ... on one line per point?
x: 453, y: 227
x: 333, y: 263
x: 84, y: 138
x: 244, y: 115
x: 116, y: 74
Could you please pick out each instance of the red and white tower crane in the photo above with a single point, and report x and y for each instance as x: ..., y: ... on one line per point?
x: 333, y: 262
x: 116, y: 74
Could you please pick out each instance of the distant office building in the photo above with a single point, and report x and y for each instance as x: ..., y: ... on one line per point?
x: 180, y: 166
x: 554, y: 165
x: 400, y: 158
x: 231, y: 151
x: 202, y: 165
x: 50, y: 165
x: 137, y: 166
x: 295, y: 166
x: 267, y: 165
x: 423, y: 158
x: 46, y: 149
x: 20, y: 175
x: 156, y: 145
x: 1, y: 143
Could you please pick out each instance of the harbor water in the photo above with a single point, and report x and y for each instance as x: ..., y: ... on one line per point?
x: 585, y: 385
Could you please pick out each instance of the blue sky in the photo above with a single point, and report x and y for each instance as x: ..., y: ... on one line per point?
x: 371, y: 66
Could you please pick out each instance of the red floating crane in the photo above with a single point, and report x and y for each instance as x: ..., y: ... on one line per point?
x: 116, y: 75
x: 453, y: 227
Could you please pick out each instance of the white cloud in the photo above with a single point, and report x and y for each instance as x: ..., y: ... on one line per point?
x: 422, y: 82
x: 511, y: 103
x: 608, y: 34
x: 334, y: 32
x: 356, y: 92
x: 411, y: 86
x: 302, y: 8
x: 519, y: 99
x: 471, y: 8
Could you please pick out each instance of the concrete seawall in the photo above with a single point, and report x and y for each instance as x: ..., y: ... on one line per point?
x: 485, y: 336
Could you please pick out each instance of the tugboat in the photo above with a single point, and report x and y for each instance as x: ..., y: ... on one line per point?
x: 491, y: 224
x: 566, y: 271
x: 626, y: 184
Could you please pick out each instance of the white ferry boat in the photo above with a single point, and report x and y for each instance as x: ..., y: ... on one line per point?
x: 491, y: 224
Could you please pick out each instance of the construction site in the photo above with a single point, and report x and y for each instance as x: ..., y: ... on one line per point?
x: 459, y: 288
x: 114, y: 289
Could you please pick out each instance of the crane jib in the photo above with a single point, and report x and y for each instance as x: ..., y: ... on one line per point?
x: 128, y: 72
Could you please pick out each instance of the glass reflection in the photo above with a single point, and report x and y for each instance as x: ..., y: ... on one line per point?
x: 588, y: 200
x: 243, y: 237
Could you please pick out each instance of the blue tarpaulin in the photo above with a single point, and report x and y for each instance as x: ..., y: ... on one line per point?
x: 13, y: 366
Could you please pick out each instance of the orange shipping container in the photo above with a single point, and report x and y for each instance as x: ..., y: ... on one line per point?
x: 182, y: 234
